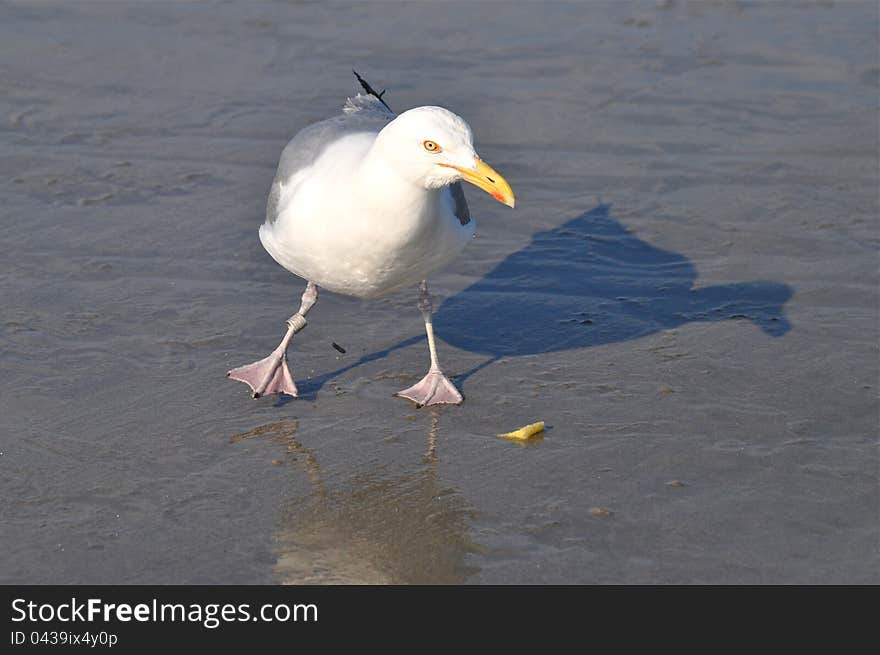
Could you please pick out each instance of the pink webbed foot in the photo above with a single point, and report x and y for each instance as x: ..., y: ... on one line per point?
x: 269, y: 375
x: 433, y: 389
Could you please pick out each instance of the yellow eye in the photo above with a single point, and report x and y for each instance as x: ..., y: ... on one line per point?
x: 430, y: 146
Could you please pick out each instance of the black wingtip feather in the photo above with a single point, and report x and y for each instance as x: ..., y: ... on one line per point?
x: 370, y: 90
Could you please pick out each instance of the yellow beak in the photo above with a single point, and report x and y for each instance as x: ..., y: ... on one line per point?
x: 488, y: 179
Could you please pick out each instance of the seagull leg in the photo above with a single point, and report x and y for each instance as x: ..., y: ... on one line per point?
x: 270, y: 375
x: 435, y: 388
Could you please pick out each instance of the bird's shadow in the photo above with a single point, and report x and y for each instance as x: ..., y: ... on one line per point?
x: 586, y: 283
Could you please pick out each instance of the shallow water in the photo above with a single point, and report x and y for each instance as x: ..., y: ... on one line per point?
x: 686, y: 293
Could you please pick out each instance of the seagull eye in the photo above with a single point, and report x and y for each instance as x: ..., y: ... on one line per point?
x: 430, y: 146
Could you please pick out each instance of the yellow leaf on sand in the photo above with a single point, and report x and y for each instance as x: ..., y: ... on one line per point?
x: 525, y: 432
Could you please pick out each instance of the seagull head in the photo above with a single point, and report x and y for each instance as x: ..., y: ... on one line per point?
x: 433, y: 147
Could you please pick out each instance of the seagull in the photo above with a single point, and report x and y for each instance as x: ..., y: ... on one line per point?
x: 366, y: 203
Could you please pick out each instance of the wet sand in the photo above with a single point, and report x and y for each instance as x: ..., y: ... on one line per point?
x: 686, y: 293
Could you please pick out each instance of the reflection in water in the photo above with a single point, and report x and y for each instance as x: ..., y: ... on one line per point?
x: 405, y: 529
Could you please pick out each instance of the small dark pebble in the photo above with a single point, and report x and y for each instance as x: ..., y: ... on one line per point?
x: 339, y: 348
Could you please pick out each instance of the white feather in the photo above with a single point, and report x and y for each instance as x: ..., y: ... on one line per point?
x: 357, y: 206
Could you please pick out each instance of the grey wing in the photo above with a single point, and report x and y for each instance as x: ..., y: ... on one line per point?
x: 360, y: 114
x: 462, y: 212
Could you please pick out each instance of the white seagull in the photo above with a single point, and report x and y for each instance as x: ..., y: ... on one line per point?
x: 367, y: 203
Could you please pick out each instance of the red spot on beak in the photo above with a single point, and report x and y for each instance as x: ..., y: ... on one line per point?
x: 497, y: 196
